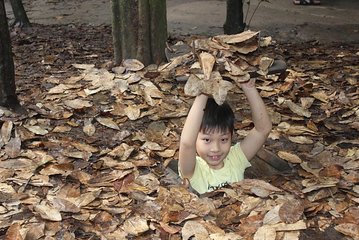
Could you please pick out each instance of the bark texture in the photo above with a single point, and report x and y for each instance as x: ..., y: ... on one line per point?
x: 8, y: 96
x: 139, y: 30
x: 234, y: 19
x: 21, y: 18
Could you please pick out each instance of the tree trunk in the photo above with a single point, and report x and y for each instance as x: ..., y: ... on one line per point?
x: 8, y: 96
x: 234, y: 19
x: 139, y: 30
x: 19, y: 13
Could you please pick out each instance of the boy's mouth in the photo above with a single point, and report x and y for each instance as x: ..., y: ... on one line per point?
x: 215, y: 157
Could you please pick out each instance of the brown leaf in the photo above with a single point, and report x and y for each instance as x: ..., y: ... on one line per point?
x: 266, y: 232
x: 39, y: 130
x: 123, y: 151
x: 64, y: 205
x: 13, y: 147
x: 36, y: 231
x: 13, y: 232
x: 249, y: 184
x: 332, y: 171
x: 194, y: 229
x: 48, y: 213
x: 169, y: 228
x: 193, y: 86
x: 237, y: 38
x: 298, y: 109
x: 78, y: 103
x: 84, y: 147
x: 89, y: 129
x: 207, y: 62
x: 133, y: 65
x: 54, y: 169
x: 290, y: 157
x: 87, y: 198
x: 135, y: 225
x: 272, y: 216
x: 6, y: 129
x: 301, y: 140
x: 300, y: 225
x: 228, y: 215
x: 291, y: 211
x: 348, y: 229
x: 132, y: 112
x: 108, y: 122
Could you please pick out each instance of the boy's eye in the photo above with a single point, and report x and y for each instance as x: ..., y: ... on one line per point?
x: 224, y: 140
x: 207, y: 140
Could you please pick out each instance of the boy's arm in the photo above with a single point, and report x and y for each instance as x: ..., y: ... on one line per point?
x: 262, y: 123
x: 187, y: 149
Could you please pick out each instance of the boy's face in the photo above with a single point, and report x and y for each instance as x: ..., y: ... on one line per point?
x: 213, y: 146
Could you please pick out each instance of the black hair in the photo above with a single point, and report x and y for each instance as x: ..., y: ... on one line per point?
x: 219, y: 117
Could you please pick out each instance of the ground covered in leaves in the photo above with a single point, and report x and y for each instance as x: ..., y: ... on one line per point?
x: 89, y: 159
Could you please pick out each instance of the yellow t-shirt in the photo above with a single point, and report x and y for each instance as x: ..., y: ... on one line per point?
x: 206, y: 179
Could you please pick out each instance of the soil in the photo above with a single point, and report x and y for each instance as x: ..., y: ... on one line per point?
x: 332, y: 21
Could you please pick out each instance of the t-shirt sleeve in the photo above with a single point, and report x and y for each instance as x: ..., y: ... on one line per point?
x: 241, y: 160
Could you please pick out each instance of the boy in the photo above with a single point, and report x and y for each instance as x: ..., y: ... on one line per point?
x: 206, y: 157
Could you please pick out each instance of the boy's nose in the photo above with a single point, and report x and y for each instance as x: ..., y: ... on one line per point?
x: 215, y: 147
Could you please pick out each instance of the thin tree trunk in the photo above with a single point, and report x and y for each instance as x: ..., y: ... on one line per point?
x: 139, y: 30
x: 144, y: 52
x: 234, y: 19
x: 116, y: 31
x: 158, y: 30
x: 19, y: 13
x: 8, y: 96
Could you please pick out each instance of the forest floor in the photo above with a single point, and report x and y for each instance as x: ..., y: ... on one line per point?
x: 89, y: 159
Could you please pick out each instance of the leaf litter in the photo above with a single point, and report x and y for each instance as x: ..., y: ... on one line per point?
x: 89, y: 160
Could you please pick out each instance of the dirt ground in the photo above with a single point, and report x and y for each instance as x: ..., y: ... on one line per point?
x: 333, y: 20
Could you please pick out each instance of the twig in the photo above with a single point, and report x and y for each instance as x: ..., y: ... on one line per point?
x: 255, y: 10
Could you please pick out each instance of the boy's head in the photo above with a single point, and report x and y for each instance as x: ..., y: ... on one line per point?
x: 215, y: 135
x: 217, y: 117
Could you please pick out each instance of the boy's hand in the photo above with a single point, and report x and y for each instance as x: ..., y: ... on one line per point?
x: 251, y: 83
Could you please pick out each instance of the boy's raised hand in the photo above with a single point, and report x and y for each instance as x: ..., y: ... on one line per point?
x: 262, y: 123
x: 251, y: 83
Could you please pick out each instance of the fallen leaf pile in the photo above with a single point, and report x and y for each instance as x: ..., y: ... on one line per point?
x: 89, y: 160
x: 224, y: 56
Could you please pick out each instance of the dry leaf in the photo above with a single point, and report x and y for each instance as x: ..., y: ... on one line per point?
x: 108, y: 122
x: 6, y: 129
x: 207, y: 62
x: 78, y: 103
x: 194, y: 229
x: 123, y: 151
x: 48, y: 213
x: 89, y: 129
x: 86, y: 198
x: 194, y: 85
x: 290, y: 157
x: 133, y: 112
x: 298, y: 109
x: 150, y: 89
x: 39, y: 130
x: 35, y: 231
x: 135, y: 225
x: 272, y: 216
x: 291, y: 211
x: 237, y: 38
x: 13, y: 232
x: 265, y: 232
x: 133, y: 65
x: 301, y: 140
x: 13, y: 147
x: 300, y: 225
